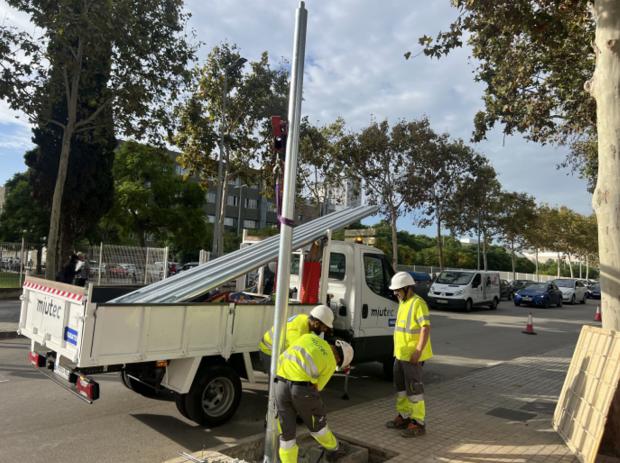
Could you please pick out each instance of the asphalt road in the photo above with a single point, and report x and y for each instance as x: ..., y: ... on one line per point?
x: 40, y: 422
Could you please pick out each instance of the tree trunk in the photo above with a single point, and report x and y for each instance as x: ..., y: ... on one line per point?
x: 606, y: 198
x: 222, y: 226
x: 559, y: 264
x: 439, y: 244
x: 570, y: 265
x: 394, y: 240
x: 536, y: 254
x: 512, y: 260
x: 478, y: 248
x: 587, y: 267
x: 484, y: 250
x: 54, y: 251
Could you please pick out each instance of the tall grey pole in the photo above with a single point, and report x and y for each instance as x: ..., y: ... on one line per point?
x: 288, y: 213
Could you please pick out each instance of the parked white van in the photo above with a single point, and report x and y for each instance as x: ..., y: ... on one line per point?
x: 464, y: 289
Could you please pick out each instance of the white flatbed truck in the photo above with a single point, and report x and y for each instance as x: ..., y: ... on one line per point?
x: 197, y: 351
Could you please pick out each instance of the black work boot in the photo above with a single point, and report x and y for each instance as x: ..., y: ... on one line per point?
x: 398, y: 423
x: 414, y: 429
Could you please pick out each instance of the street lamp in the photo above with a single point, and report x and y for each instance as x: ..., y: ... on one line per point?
x: 241, y: 187
x: 218, y: 240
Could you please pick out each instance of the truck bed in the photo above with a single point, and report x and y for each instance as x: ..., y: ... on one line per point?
x: 60, y: 317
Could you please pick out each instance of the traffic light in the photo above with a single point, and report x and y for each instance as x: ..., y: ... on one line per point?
x: 280, y: 130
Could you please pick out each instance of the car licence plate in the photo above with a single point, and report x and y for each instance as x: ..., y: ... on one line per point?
x: 526, y: 298
x: 442, y: 301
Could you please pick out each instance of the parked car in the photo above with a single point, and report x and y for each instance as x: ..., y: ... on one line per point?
x: 423, y: 283
x: 516, y: 285
x: 188, y: 265
x: 116, y: 271
x: 595, y: 291
x: 505, y: 291
x: 539, y: 294
x: 573, y: 290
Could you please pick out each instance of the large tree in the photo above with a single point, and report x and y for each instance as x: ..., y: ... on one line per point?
x: 475, y: 206
x: 434, y: 173
x: 379, y: 157
x: 536, y: 58
x: 225, y: 117
x: 148, y: 55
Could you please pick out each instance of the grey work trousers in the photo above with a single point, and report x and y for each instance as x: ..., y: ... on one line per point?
x: 408, y: 377
x: 305, y: 401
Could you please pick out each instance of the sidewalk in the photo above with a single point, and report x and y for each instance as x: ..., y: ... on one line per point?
x: 497, y: 414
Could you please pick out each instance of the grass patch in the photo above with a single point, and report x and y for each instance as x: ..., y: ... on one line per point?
x: 9, y: 280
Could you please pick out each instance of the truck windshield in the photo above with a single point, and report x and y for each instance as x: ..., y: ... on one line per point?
x: 455, y: 278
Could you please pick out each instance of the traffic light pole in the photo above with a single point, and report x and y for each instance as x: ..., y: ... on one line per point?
x: 286, y: 221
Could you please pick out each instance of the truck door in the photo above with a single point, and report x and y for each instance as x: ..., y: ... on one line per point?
x: 378, y: 311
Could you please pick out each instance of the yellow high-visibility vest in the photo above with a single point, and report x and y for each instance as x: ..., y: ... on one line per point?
x: 412, y: 316
x: 296, y: 326
x: 310, y: 358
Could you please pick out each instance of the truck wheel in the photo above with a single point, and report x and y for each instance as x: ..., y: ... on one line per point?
x: 388, y: 369
x: 137, y: 386
x: 468, y: 305
x: 494, y: 304
x: 214, y: 396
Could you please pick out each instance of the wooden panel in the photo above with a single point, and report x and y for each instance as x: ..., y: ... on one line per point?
x: 588, y: 390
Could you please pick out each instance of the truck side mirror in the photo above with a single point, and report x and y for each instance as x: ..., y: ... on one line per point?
x: 365, y: 311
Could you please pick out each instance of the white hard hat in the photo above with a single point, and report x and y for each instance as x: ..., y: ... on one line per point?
x: 323, y: 314
x: 401, y: 280
x: 347, y: 353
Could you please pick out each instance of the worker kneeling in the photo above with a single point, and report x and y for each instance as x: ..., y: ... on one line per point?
x: 303, y: 370
x: 320, y: 320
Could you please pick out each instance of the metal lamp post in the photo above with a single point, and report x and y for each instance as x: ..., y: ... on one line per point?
x: 217, y: 245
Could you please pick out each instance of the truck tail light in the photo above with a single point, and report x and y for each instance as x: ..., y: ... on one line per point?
x: 87, y: 388
x: 36, y: 359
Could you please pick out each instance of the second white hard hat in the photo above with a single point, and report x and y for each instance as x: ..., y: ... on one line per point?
x: 323, y: 314
x: 347, y: 353
x: 401, y: 280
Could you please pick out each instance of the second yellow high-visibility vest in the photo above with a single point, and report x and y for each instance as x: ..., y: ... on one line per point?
x: 296, y: 326
x: 412, y: 316
x: 310, y: 358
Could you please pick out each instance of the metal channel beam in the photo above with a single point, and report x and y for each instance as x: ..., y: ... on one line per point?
x: 199, y: 280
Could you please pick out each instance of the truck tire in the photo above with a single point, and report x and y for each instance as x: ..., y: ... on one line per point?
x: 388, y: 369
x: 137, y: 386
x: 468, y: 305
x: 214, y: 396
x: 494, y: 304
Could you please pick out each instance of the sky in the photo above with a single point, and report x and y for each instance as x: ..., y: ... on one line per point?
x: 355, y: 69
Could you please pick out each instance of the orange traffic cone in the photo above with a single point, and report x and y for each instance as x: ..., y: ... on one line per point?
x: 597, y: 314
x: 529, y: 328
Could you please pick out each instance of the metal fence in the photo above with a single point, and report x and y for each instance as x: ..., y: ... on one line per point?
x: 15, y: 260
x: 502, y: 274
x: 111, y: 264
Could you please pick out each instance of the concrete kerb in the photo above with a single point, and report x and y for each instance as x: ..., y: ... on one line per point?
x: 9, y: 335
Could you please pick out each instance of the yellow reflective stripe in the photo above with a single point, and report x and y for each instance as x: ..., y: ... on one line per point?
x: 309, y: 361
x: 422, y: 319
x: 410, y: 313
x: 287, y: 444
x: 310, y: 370
x: 416, y: 398
x: 406, y: 330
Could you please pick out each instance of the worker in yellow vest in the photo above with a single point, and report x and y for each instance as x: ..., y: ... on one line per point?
x: 412, y: 347
x: 303, y: 371
x: 320, y: 320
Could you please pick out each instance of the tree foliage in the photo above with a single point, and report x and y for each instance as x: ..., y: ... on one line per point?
x: 147, y: 57
x: 152, y: 203
x: 534, y: 56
